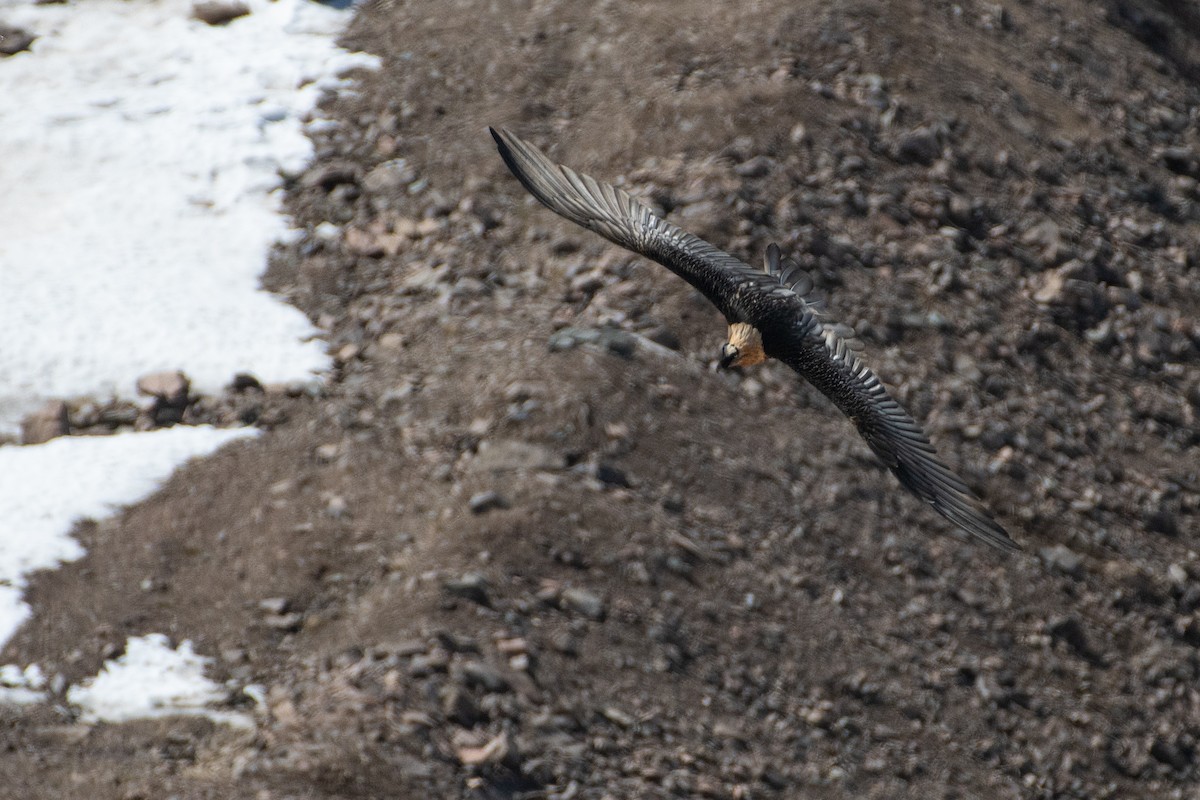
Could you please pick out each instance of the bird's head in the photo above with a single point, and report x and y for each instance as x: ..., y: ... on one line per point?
x: 744, y: 348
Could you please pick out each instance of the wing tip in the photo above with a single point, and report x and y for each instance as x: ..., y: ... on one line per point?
x: 505, y: 141
x: 998, y: 538
x: 974, y: 519
x: 501, y: 136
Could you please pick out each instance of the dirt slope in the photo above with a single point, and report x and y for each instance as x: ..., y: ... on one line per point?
x: 523, y: 549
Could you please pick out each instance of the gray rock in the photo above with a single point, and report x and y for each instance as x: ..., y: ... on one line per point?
x: 331, y: 176
x: 1163, y: 521
x: 14, y: 40
x: 288, y: 623
x: 1062, y: 559
x: 1171, y: 754
x: 612, y: 476
x: 274, y: 605
x: 426, y: 664
x: 48, y: 422
x: 1046, y: 239
x: 389, y: 177
x: 919, y: 146
x: 615, y: 341
x: 245, y: 382
x: 1181, y: 160
x: 583, y: 602
x: 756, y: 167
x: 563, y: 642
x: 471, y: 586
x: 459, y: 706
x: 484, y: 676
x: 117, y: 415
x: 483, y: 502
x: 457, y: 643
x: 170, y: 388
x: 1069, y: 630
x: 219, y: 12
x: 510, y: 454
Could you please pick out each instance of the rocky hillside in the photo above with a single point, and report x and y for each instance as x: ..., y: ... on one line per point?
x: 529, y: 544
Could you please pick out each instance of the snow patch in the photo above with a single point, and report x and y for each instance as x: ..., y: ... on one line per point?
x: 142, y: 193
x: 21, y: 686
x: 48, y: 487
x: 152, y: 679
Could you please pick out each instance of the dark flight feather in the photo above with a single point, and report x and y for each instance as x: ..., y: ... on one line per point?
x: 777, y: 302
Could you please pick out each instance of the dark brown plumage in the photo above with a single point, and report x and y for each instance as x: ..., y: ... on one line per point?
x: 774, y: 302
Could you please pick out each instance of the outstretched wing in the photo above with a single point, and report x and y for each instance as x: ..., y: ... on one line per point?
x: 827, y: 361
x: 729, y: 283
x: 810, y: 345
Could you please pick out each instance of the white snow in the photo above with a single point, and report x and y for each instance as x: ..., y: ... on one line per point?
x: 48, y: 487
x: 152, y: 679
x: 20, y: 686
x: 139, y: 200
x: 142, y: 152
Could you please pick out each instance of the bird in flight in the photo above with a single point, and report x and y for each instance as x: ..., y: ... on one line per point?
x: 771, y: 315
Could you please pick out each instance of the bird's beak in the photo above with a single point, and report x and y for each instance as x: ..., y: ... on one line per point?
x: 729, y: 354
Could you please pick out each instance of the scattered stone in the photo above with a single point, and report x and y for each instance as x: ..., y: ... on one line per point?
x: 583, y: 602
x: 1063, y: 559
x: 1045, y: 238
x: 14, y: 40
x: 612, y: 476
x: 501, y: 455
x: 918, y: 146
x: 389, y: 177
x: 48, y: 422
x: 245, y: 382
x: 471, y: 586
x: 347, y: 353
x: 484, y: 676
x: 117, y: 415
x: 1187, y: 628
x: 1164, y: 522
x: 494, y: 752
x: 515, y: 646
x: 170, y: 393
x: 459, y: 706
x: 588, y: 282
x: 336, y: 507
x: 219, y: 12
x: 363, y: 243
x: 457, y: 643
x: 331, y: 176
x: 274, y: 605
x: 170, y: 388
x: 327, y: 232
x: 563, y: 642
x: 1172, y: 755
x: 617, y: 717
x: 483, y: 502
x: 287, y: 623
x: 1181, y: 160
x: 425, y: 664
x: 1069, y: 630
x: 615, y: 341
x: 673, y: 503
x: 756, y: 167
x: 1051, y: 289
x: 327, y: 453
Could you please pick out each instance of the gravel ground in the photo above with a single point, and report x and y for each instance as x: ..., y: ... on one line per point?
x: 529, y: 544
